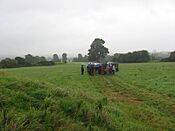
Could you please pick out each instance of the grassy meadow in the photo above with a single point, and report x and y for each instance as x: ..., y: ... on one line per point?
x: 139, y: 97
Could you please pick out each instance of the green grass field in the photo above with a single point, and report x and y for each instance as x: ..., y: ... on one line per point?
x: 140, y: 97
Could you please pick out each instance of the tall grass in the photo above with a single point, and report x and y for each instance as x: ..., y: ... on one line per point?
x: 59, y: 98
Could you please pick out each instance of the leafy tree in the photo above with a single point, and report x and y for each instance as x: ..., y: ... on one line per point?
x: 172, y: 56
x: 42, y: 58
x: 97, y: 50
x: 29, y: 59
x: 85, y: 58
x: 75, y: 59
x: 64, y: 58
x: 80, y: 57
x: 21, y: 61
x: 55, y: 58
x: 136, y: 56
x: 115, y: 57
x: 8, y: 63
x: 36, y: 59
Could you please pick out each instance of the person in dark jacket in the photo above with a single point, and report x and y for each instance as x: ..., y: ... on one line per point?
x: 82, y: 70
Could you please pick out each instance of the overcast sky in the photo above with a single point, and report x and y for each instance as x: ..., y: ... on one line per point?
x: 44, y: 27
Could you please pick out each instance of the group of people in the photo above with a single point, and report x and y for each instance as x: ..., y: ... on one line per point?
x: 100, y: 68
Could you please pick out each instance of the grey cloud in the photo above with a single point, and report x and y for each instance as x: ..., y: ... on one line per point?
x: 50, y: 26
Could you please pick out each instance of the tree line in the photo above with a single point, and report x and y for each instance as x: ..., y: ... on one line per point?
x: 80, y: 58
x: 97, y: 53
x: 171, y: 58
x: 132, y: 57
x: 30, y: 60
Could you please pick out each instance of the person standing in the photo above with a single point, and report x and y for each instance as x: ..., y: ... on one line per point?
x: 82, y: 70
